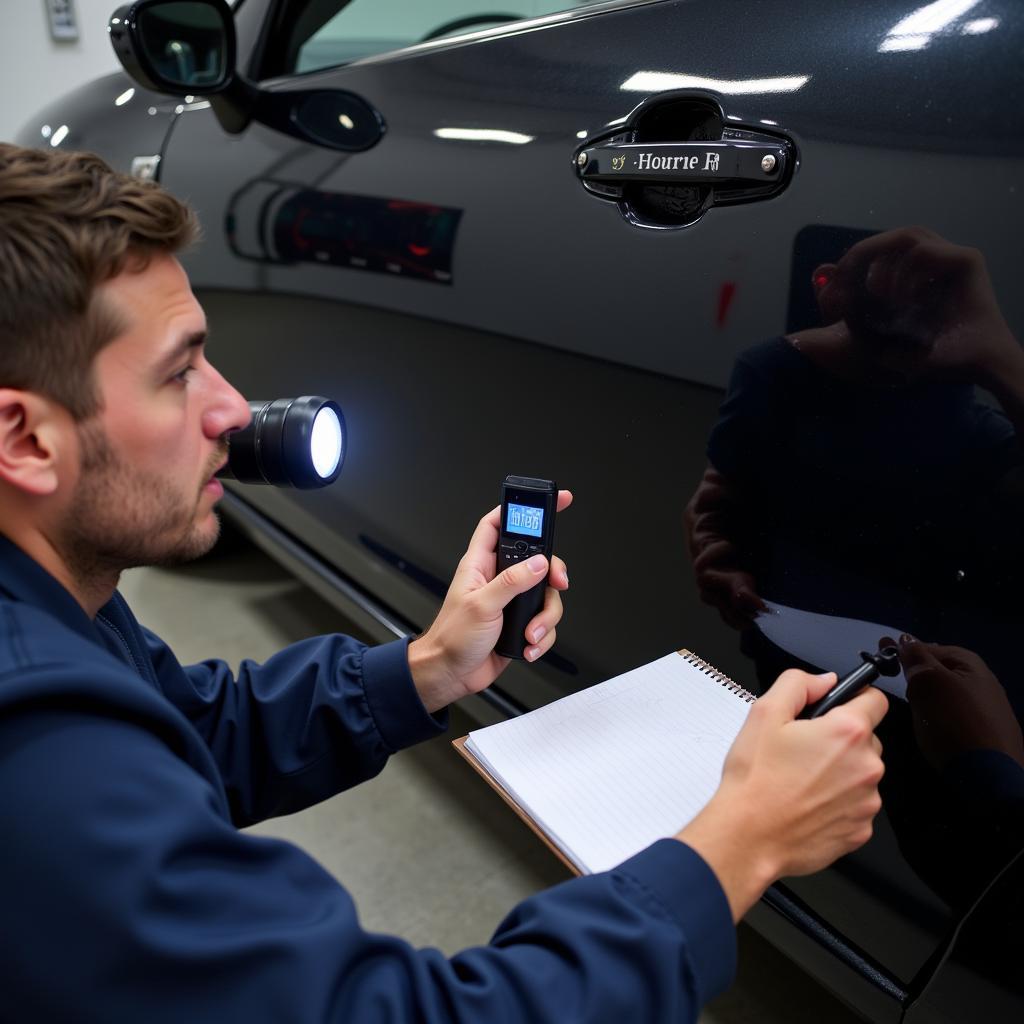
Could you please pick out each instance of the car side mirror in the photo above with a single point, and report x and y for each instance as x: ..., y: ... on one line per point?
x: 177, y: 46
x: 187, y: 47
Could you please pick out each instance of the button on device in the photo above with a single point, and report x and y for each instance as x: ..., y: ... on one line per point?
x: 521, y: 546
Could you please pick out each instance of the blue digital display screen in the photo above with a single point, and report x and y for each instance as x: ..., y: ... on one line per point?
x: 525, y: 519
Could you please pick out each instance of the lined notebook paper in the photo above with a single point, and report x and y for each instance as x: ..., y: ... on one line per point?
x: 606, y: 771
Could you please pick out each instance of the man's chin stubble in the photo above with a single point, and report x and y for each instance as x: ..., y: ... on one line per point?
x: 91, y: 563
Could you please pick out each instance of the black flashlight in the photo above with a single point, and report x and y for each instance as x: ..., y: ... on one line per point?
x: 290, y: 442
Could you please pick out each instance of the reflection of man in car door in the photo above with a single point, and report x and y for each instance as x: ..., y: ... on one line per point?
x: 853, y: 469
x: 855, y: 472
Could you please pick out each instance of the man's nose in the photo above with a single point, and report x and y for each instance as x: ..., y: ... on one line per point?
x: 227, y: 411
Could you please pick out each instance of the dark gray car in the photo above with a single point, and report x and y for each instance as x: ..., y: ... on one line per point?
x: 549, y: 239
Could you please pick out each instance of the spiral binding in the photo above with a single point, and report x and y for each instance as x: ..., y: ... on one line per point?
x: 719, y: 677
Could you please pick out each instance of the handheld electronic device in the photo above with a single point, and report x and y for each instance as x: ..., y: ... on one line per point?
x: 527, y: 528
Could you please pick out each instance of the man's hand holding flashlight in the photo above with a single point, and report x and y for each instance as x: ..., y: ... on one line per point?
x: 455, y: 657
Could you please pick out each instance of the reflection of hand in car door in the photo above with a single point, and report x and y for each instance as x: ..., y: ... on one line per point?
x: 957, y: 704
x: 959, y: 834
x: 914, y: 304
x: 722, y: 580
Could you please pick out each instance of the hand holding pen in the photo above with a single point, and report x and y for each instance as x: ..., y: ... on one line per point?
x: 885, y: 663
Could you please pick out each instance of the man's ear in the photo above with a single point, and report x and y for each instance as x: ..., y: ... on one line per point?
x: 34, y: 441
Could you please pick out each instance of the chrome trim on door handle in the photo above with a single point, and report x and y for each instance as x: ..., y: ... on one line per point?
x: 732, y: 164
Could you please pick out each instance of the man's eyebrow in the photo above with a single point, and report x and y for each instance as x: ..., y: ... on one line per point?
x: 184, y: 345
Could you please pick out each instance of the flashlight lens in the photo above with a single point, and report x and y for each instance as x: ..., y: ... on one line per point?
x: 325, y: 442
x: 289, y: 442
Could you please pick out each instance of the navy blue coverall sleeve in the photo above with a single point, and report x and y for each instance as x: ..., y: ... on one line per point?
x: 129, y: 897
x: 318, y: 717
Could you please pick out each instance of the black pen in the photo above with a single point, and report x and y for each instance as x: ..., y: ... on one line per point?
x: 885, y: 663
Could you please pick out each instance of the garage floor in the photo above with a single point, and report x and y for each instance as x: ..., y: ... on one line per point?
x: 427, y: 817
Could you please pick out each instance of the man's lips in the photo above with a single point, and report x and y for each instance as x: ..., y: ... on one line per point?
x: 219, y: 464
x: 212, y: 481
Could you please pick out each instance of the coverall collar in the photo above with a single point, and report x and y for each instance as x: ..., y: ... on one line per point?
x: 23, y: 579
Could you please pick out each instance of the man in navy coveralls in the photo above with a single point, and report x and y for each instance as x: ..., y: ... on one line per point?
x: 128, y: 893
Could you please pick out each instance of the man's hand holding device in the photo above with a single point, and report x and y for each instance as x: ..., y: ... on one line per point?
x: 526, y: 528
x: 456, y: 655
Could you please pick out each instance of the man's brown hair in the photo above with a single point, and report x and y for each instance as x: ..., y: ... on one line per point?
x: 68, y: 222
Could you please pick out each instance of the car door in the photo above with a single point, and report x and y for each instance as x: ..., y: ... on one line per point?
x: 485, y: 293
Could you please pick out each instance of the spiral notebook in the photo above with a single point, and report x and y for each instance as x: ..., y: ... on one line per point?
x: 603, y: 773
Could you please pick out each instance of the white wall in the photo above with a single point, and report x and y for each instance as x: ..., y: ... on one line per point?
x: 34, y: 69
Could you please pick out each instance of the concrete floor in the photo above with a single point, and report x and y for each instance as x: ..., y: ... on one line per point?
x: 427, y: 816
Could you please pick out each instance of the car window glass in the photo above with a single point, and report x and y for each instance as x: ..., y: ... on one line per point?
x: 324, y: 34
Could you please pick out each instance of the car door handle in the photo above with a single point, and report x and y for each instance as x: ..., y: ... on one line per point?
x: 730, y: 164
x: 659, y: 183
